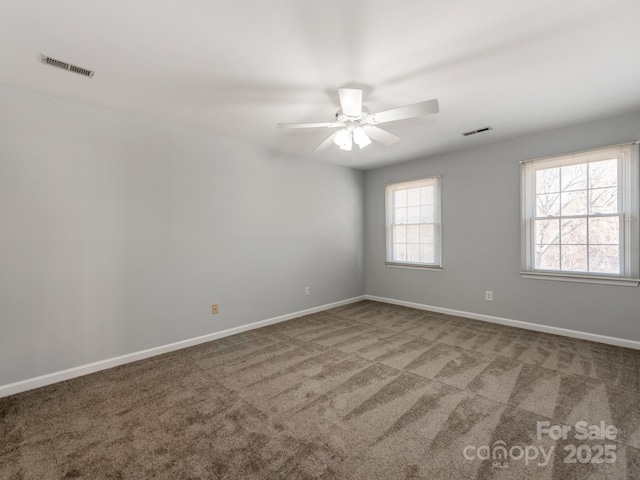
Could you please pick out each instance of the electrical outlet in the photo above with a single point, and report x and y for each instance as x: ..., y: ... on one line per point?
x: 488, y: 296
x: 214, y: 308
x: 306, y: 290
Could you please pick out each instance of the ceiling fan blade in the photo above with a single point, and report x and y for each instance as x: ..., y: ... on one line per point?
x: 380, y: 135
x: 408, y: 111
x: 351, y: 101
x: 310, y: 125
x: 326, y: 144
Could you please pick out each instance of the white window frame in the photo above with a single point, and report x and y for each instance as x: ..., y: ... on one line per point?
x: 390, y: 222
x: 628, y: 210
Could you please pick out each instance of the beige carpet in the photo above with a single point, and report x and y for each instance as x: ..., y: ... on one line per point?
x: 366, y: 391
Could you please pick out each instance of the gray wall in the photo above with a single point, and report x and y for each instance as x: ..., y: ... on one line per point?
x: 119, y: 233
x: 481, y: 237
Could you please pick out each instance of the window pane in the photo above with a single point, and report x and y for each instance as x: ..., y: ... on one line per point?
x: 579, y: 213
x: 548, y: 205
x: 400, y: 198
x: 574, y: 258
x: 399, y: 234
x: 413, y: 253
x: 400, y: 252
x: 413, y: 197
x: 604, y: 258
x: 547, y: 231
x: 413, y: 234
x: 426, y: 195
x: 427, y: 253
x: 412, y: 210
x: 604, y: 200
x: 603, y: 174
x: 413, y: 215
x: 573, y: 177
x: 426, y: 214
x: 548, y: 257
x: 574, y: 203
x: 604, y: 230
x: 427, y: 234
x: 548, y: 180
x: 574, y: 232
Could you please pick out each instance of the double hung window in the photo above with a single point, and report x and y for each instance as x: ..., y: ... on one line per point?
x: 580, y: 216
x: 413, y: 223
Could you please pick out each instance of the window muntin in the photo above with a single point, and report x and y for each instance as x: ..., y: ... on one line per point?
x: 580, y: 214
x: 413, y: 223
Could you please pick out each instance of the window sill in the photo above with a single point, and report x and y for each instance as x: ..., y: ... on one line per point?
x: 413, y: 266
x: 562, y: 277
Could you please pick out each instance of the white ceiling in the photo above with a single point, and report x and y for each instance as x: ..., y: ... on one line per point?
x: 236, y: 68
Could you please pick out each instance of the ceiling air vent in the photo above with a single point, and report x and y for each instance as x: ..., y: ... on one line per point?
x: 473, y: 132
x: 67, y: 66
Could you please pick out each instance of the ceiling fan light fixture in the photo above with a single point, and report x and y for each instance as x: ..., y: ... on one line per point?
x: 343, y: 139
x: 360, y: 137
x: 347, y: 145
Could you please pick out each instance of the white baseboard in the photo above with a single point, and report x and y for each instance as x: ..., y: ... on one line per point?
x: 55, y: 377
x: 620, y: 342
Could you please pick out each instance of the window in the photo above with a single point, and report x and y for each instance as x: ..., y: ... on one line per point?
x: 413, y: 223
x: 580, y: 216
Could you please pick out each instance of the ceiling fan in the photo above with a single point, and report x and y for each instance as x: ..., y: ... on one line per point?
x: 357, y: 125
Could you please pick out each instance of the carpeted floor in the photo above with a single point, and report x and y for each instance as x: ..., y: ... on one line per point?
x: 365, y: 391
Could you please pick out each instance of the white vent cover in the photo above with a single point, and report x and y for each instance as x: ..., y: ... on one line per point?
x: 67, y: 66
